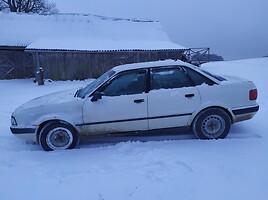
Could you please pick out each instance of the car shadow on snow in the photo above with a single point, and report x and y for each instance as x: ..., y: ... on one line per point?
x: 242, y: 131
x: 237, y: 131
x: 113, y: 140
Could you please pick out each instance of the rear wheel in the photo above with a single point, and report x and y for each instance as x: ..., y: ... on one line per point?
x: 58, y: 136
x: 213, y: 123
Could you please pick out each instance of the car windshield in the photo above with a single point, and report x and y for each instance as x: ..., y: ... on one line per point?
x: 95, y: 84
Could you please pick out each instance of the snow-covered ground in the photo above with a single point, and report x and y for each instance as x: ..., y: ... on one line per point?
x: 172, y: 168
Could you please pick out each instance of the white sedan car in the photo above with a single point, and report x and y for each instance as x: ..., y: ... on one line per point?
x: 139, y: 98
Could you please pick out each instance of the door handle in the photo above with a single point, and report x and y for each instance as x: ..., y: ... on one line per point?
x: 138, y: 100
x: 189, y: 95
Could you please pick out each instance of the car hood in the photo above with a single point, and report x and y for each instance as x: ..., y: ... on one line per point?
x: 50, y: 99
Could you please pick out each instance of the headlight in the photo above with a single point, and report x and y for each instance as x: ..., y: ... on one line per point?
x: 13, y: 121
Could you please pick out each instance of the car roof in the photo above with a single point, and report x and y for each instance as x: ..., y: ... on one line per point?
x: 151, y: 65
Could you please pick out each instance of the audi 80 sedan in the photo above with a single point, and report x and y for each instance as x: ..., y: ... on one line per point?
x: 138, y: 98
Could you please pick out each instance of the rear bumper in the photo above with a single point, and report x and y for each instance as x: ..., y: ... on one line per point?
x: 246, y: 113
x: 247, y: 110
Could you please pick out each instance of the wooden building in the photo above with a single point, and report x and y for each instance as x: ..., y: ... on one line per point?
x: 75, y: 46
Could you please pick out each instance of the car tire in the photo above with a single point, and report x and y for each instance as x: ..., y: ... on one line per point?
x: 58, y: 136
x: 212, y: 123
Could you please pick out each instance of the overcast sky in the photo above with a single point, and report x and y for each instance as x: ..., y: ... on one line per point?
x: 235, y: 29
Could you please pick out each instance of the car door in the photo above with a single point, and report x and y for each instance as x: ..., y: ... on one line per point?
x: 172, y: 98
x: 122, y: 108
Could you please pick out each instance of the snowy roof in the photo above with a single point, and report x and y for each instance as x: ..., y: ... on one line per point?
x: 82, y: 33
x: 101, y: 45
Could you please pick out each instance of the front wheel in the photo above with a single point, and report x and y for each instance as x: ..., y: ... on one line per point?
x: 213, y: 123
x: 58, y: 136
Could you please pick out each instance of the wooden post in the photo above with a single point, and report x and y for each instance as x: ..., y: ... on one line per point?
x: 39, y: 76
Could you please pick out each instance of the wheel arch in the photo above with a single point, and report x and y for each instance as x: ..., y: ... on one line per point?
x: 41, y: 126
x: 192, y: 119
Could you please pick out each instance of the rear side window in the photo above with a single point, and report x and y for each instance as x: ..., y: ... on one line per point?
x: 198, y: 78
x: 169, y: 79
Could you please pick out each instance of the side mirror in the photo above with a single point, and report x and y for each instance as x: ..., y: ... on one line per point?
x: 96, y: 96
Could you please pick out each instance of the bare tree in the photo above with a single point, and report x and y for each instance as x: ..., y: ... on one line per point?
x: 28, y: 6
x: 3, y: 6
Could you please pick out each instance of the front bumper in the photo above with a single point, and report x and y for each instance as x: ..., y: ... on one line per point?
x: 16, y: 130
x: 27, y: 133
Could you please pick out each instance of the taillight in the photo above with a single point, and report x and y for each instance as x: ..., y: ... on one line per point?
x: 253, y: 94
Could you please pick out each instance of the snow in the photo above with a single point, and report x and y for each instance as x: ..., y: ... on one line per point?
x: 102, y: 45
x: 171, y: 167
x: 150, y: 64
x: 82, y: 32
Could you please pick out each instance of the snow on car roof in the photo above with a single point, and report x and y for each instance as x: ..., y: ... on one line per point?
x: 150, y: 64
x: 82, y: 32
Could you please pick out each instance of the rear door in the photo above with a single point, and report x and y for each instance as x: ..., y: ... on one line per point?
x: 172, y: 98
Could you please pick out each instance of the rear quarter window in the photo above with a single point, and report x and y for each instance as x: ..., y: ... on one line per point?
x: 219, y: 78
x: 198, y: 78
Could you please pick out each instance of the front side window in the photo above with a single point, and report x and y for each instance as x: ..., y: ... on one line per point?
x: 126, y: 83
x: 89, y: 88
x: 170, y: 78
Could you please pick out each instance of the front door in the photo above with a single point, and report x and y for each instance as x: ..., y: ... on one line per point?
x: 122, y: 108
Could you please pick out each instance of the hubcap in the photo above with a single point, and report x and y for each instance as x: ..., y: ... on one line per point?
x: 213, y: 126
x: 59, y: 138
